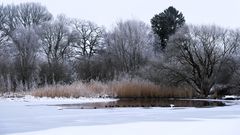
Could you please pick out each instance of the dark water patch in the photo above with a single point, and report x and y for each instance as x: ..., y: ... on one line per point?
x: 146, y: 103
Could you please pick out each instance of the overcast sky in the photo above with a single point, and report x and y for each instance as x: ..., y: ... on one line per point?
x: 225, y: 13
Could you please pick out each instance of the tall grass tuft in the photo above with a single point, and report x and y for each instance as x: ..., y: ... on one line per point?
x: 144, y: 89
x: 75, y: 90
x: 125, y: 88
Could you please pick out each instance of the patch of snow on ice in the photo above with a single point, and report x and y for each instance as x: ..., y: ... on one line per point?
x: 49, y: 101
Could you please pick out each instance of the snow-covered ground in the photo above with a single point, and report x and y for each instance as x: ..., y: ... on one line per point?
x: 33, y: 116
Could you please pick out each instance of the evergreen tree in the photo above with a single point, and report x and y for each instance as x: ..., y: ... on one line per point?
x: 166, y: 24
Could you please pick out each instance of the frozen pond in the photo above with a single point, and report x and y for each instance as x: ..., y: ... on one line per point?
x: 146, y: 103
x: 28, y: 115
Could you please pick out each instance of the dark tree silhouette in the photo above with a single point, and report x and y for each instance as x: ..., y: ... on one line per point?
x: 165, y: 24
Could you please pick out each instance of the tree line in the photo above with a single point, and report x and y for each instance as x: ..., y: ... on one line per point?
x: 37, y: 49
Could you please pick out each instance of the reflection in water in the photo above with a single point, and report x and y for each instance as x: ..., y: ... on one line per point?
x: 131, y: 102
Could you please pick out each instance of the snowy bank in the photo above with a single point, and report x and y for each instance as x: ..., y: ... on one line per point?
x: 31, y: 100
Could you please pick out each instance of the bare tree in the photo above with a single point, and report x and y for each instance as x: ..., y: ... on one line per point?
x: 24, y: 15
x: 6, y: 60
x: 11, y: 21
x: 31, y: 13
x: 87, y: 42
x: 17, y: 33
x: 127, y: 45
x: 55, y: 40
x: 26, y: 47
x: 87, y: 38
x: 2, y: 20
x: 196, y: 55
